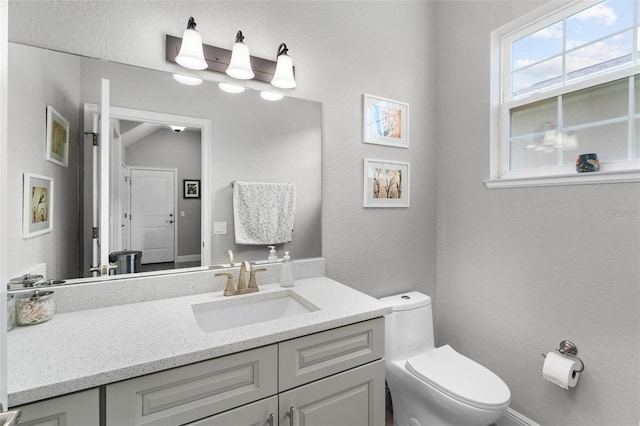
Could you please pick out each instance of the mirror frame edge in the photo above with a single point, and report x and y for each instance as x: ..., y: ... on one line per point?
x: 4, y: 72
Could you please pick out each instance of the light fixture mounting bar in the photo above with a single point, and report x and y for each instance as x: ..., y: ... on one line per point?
x: 218, y: 59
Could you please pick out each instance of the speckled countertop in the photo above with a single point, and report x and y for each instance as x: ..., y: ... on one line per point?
x: 84, y: 349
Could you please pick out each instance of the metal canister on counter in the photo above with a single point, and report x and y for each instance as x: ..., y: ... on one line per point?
x: 35, y: 307
x: 25, y: 281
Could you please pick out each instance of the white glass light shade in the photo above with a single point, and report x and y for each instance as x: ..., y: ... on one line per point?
x: 283, y: 78
x: 191, y: 54
x: 240, y: 64
x: 187, y: 79
x: 271, y: 96
x: 177, y: 129
x: 230, y: 88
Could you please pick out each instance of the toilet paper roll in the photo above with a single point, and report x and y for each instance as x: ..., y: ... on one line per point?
x: 561, y: 370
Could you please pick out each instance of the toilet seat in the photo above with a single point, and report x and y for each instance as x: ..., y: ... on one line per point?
x: 460, y: 378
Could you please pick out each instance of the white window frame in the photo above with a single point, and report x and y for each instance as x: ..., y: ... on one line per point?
x: 500, y: 86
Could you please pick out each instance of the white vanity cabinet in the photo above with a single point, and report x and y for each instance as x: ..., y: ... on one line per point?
x: 78, y: 409
x: 335, y: 377
x: 353, y: 396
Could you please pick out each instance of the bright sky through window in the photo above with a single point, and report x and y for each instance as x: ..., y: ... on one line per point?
x: 595, y: 39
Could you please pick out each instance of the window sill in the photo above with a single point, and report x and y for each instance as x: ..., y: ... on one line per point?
x: 590, y: 178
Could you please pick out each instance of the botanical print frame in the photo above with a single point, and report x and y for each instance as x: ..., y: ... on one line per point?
x: 191, y: 188
x: 385, y: 121
x: 57, y: 150
x: 386, y: 183
x: 37, y: 205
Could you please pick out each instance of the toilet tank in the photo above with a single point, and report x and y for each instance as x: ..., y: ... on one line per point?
x: 409, y: 328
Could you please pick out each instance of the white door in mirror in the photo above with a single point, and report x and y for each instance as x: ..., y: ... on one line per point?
x: 152, y: 218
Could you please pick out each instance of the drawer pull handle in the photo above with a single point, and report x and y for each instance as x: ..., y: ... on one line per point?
x: 290, y: 416
x: 271, y: 419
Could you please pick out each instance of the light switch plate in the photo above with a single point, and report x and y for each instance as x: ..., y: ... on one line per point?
x: 219, y: 228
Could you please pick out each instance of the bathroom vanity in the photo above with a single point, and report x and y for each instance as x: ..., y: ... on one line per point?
x: 155, y: 362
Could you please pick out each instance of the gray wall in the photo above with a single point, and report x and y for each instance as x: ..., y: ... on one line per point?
x: 521, y: 269
x: 518, y: 269
x: 182, y: 151
x: 26, y: 150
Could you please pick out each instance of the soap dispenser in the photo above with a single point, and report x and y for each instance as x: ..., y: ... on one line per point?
x: 286, y: 271
x: 273, y: 256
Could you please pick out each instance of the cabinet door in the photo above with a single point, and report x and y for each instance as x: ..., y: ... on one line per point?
x: 260, y: 413
x: 352, y: 398
x: 196, y: 391
x: 313, y: 357
x: 78, y: 409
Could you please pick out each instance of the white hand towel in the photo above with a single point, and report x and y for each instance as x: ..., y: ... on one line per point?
x: 263, y: 213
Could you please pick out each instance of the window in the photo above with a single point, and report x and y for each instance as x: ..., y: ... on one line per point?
x: 567, y: 82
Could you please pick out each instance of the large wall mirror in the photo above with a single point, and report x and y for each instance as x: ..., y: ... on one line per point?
x: 248, y: 139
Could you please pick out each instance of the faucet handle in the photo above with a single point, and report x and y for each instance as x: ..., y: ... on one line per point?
x: 229, y: 289
x: 252, y: 278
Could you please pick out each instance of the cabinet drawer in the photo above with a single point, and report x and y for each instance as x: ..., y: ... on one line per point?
x: 78, y: 409
x: 193, y: 392
x: 318, y: 355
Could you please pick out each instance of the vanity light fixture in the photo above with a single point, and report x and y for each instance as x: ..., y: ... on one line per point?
x: 230, y: 88
x: 240, y: 65
x: 187, y: 79
x: 271, y: 96
x: 191, y: 54
x: 177, y: 129
x: 283, y: 78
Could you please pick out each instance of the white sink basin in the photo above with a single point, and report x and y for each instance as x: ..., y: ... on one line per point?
x: 231, y: 313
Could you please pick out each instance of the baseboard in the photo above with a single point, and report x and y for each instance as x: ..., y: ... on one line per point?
x: 513, y: 418
x: 188, y: 258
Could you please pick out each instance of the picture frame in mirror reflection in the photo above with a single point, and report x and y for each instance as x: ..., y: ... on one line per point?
x: 386, y: 183
x: 385, y: 121
x: 191, y: 188
x: 37, y: 205
x: 57, y: 148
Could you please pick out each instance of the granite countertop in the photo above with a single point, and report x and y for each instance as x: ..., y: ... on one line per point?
x: 84, y: 349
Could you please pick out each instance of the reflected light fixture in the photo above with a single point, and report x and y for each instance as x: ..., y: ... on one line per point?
x: 177, y: 129
x: 191, y: 54
x: 240, y: 64
x: 187, y: 79
x: 271, y: 96
x: 283, y: 77
x: 230, y: 88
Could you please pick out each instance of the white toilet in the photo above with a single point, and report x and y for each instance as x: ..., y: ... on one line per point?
x: 435, y: 386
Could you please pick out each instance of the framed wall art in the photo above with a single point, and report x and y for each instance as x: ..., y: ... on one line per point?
x: 37, y: 205
x: 385, y: 122
x: 191, y: 188
x: 57, y: 138
x: 386, y: 183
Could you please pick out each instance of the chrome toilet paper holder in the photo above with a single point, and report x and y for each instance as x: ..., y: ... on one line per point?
x: 568, y: 348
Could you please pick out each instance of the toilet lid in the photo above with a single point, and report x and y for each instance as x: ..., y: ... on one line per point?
x: 460, y: 377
